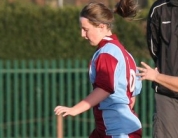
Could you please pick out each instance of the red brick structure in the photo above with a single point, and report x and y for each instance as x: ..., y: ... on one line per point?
x: 81, y: 2
x: 39, y: 2
x: 76, y: 2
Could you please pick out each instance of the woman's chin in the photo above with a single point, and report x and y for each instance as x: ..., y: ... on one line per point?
x: 92, y: 44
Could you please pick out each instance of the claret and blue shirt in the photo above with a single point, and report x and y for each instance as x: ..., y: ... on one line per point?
x: 113, y: 69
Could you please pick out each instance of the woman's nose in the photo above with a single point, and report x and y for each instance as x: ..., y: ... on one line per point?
x: 83, y: 34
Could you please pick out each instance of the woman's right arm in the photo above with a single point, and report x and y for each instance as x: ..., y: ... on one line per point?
x: 95, y: 97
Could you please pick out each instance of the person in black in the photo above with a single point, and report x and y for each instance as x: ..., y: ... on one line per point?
x: 162, y: 39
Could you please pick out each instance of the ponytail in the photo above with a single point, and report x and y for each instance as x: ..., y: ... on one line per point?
x: 126, y: 8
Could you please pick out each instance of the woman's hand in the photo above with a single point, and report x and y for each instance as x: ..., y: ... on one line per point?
x: 65, y: 111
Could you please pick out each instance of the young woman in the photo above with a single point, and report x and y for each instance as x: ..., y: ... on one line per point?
x: 113, y: 75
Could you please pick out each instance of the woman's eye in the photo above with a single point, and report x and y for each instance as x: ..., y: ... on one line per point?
x: 85, y: 29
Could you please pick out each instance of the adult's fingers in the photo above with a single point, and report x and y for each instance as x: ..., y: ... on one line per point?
x: 142, y: 70
x: 145, y: 65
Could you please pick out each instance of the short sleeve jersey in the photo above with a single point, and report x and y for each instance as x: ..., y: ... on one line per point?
x: 113, y: 69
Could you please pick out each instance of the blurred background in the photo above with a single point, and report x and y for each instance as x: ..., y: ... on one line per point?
x: 44, y: 63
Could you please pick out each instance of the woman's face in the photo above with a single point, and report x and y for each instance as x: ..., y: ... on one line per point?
x: 92, y: 33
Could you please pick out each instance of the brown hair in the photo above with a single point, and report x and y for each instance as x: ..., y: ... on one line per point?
x: 98, y: 13
x: 126, y: 8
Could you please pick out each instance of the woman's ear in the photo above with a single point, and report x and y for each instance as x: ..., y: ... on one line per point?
x: 101, y: 25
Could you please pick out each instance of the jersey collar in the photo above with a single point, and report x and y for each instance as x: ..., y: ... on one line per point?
x: 106, y: 39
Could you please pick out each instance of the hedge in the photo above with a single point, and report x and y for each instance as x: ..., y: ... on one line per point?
x: 29, y: 31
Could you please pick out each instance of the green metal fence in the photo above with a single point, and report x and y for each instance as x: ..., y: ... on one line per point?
x: 30, y: 90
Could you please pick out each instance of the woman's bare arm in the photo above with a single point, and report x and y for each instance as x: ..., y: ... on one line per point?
x: 91, y: 100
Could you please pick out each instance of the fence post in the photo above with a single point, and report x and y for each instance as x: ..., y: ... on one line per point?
x: 59, y: 126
